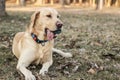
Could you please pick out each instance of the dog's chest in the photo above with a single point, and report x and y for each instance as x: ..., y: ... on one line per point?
x: 43, y: 52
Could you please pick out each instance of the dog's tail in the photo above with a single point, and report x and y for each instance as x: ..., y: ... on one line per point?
x: 62, y: 53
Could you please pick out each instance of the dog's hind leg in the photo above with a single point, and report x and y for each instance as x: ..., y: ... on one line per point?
x: 61, y: 53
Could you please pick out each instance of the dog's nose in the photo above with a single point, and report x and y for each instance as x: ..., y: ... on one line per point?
x: 59, y: 24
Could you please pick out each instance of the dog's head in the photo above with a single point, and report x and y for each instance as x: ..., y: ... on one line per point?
x: 46, y: 20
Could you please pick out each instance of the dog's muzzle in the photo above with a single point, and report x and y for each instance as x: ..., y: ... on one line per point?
x: 50, y: 35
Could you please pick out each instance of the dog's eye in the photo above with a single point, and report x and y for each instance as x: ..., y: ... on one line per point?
x: 49, y: 16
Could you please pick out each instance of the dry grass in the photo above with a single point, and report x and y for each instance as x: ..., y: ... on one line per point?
x: 93, y: 39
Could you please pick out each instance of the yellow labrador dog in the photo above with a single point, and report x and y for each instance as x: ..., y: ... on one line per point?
x: 35, y: 45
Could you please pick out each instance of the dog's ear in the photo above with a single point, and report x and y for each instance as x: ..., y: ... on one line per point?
x: 34, y: 17
x: 33, y: 20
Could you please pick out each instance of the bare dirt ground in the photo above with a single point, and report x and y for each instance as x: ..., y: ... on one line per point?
x: 93, y: 38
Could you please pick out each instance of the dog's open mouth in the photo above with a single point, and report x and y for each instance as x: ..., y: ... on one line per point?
x: 52, y: 34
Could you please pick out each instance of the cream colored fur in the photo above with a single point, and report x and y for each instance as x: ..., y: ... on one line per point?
x: 28, y: 51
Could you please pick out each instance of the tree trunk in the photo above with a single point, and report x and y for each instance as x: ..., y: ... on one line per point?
x: 62, y: 2
x: 38, y: 2
x: 68, y: 2
x: 107, y: 3
x: 92, y: 3
x: 80, y: 2
x: 99, y: 4
x: 22, y: 2
x: 117, y: 3
x: 52, y: 2
x: 74, y: 1
x: 17, y: 2
x: 2, y: 8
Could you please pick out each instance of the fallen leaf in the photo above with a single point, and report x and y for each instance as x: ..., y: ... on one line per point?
x: 92, y: 71
x: 66, y: 72
x: 97, y: 44
x: 75, y: 68
x: 101, y: 68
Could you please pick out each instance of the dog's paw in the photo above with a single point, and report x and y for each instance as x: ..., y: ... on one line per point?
x: 30, y: 76
x: 43, y: 72
x: 67, y: 55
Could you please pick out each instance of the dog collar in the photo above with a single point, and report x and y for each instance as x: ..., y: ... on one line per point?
x: 42, y: 42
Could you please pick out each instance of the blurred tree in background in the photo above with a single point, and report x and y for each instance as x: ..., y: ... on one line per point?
x: 21, y: 2
x: 92, y: 3
x: 39, y: 2
x: 98, y: 4
x: 2, y: 8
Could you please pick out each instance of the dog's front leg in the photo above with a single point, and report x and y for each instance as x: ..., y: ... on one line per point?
x: 23, y: 62
x: 46, y: 65
x: 45, y: 68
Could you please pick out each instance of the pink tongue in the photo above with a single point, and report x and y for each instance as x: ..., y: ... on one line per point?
x: 50, y: 35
